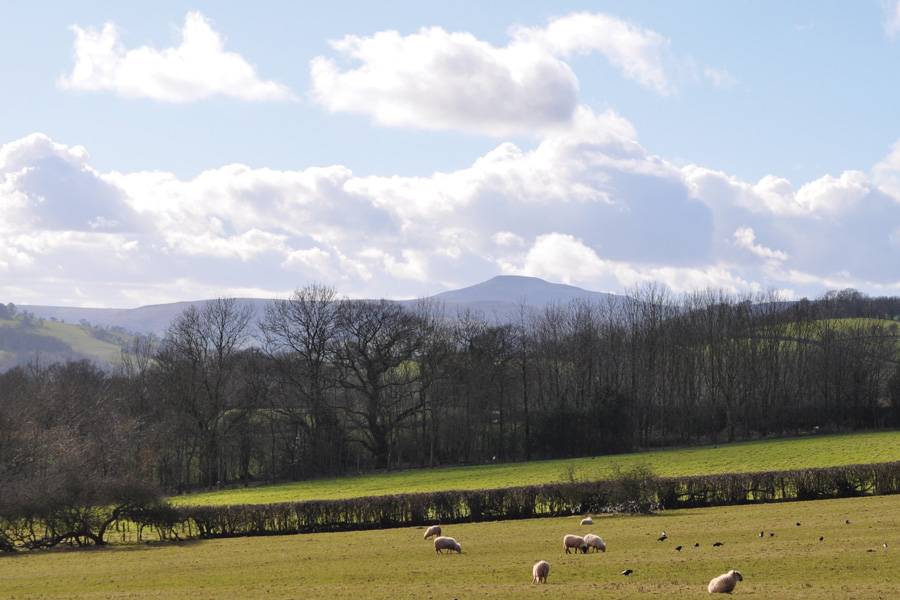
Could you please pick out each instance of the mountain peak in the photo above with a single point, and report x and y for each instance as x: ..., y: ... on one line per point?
x: 515, y: 289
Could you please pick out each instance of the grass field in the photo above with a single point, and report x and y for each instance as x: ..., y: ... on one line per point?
x: 765, y: 455
x: 497, y: 557
x: 82, y: 340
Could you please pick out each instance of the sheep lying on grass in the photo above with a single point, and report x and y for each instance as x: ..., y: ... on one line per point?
x: 724, y: 584
x: 433, y: 531
x: 575, y: 541
x: 540, y: 571
x: 442, y: 543
x: 587, y: 521
x: 594, y: 542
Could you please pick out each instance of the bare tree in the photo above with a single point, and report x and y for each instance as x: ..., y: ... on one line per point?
x: 198, y: 363
x: 299, y: 334
x: 375, y: 351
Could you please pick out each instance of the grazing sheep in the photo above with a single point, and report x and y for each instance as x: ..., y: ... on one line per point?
x: 594, y: 542
x: 433, y: 531
x: 540, y: 571
x: 442, y: 543
x: 724, y: 584
x: 587, y: 521
x: 575, y: 541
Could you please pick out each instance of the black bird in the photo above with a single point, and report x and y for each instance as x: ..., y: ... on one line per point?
x: 678, y: 548
x: 627, y: 572
x: 717, y: 544
x: 821, y: 538
x: 697, y: 545
x: 797, y: 523
x: 885, y: 544
x: 771, y: 534
x: 761, y: 533
x: 847, y: 521
x: 662, y: 538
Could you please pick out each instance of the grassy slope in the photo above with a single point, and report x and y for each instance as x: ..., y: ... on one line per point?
x: 497, y: 557
x: 766, y: 455
x: 79, y: 338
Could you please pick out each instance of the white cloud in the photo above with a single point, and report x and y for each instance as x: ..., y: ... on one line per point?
x: 720, y: 78
x: 891, y: 10
x: 507, y: 238
x: 439, y: 80
x: 639, y: 53
x: 587, y: 207
x: 887, y: 172
x: 745, y: 238
x: 198, y: 68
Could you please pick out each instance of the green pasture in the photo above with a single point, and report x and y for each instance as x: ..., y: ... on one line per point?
x: 83, y: 340
x: 851, y: 561
x: 763, y: 455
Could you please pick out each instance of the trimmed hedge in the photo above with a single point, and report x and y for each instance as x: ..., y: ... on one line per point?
x: 638, y: 491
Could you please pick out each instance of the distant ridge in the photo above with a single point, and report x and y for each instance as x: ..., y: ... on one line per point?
x: 513, y: 288
x: 499, y: 298
x: 502, y: 296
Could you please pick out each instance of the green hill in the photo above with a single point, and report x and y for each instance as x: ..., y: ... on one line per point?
x: 24, y: 338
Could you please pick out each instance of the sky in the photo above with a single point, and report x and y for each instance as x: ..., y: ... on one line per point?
x: 166, y: 151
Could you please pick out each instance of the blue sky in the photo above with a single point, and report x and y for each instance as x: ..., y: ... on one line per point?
x: 167, y: 151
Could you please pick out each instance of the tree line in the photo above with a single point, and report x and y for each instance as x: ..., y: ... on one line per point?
x: 321, y: 385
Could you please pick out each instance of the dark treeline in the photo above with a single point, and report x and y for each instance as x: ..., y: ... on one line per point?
x: 324, y: 386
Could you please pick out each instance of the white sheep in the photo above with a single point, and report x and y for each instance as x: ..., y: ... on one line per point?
x: 442, y: 543
x: 540, y: 571
x: 594, y: 542
x: 587, y: 521
x: 574, y: 541
x: 724, y: 584
x: 433, y: 531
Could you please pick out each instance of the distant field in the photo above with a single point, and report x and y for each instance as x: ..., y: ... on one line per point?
x: 851, y: 561
x: 766, y: 455
x: 100, y: 344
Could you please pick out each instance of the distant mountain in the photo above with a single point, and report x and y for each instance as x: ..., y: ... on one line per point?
x: 500, y: 298
x: 496, y: 299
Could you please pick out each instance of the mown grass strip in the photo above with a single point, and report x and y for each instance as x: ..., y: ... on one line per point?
x: 764, y: 455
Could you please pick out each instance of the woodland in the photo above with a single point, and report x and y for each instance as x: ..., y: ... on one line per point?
x: 325, y: 386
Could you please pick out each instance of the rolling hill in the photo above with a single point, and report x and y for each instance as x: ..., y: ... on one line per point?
x: 87, y: 332
x: 499, y: 297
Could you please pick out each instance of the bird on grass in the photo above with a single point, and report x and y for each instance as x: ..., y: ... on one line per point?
x: 627, y: 572
x: 847, y: 521
x: 697, y: 545
x: 662, y: 538
x: 821, y: 538
x: 678, y: 548
x: 797, y: 523
x: 717, y: 544
x: 771, y: 534
x: 761, y: 533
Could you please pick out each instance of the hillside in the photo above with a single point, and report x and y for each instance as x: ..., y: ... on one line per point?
x: 24, y: 339
x: 499, y: 297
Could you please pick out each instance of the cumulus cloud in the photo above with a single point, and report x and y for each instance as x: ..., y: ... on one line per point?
x: 886, y: 173
x: 745, y: 238
x: 199, y: 67
x: 440, y: 80
x: 891, y: 10
x: 588, y: 206
x: 639, y: 53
